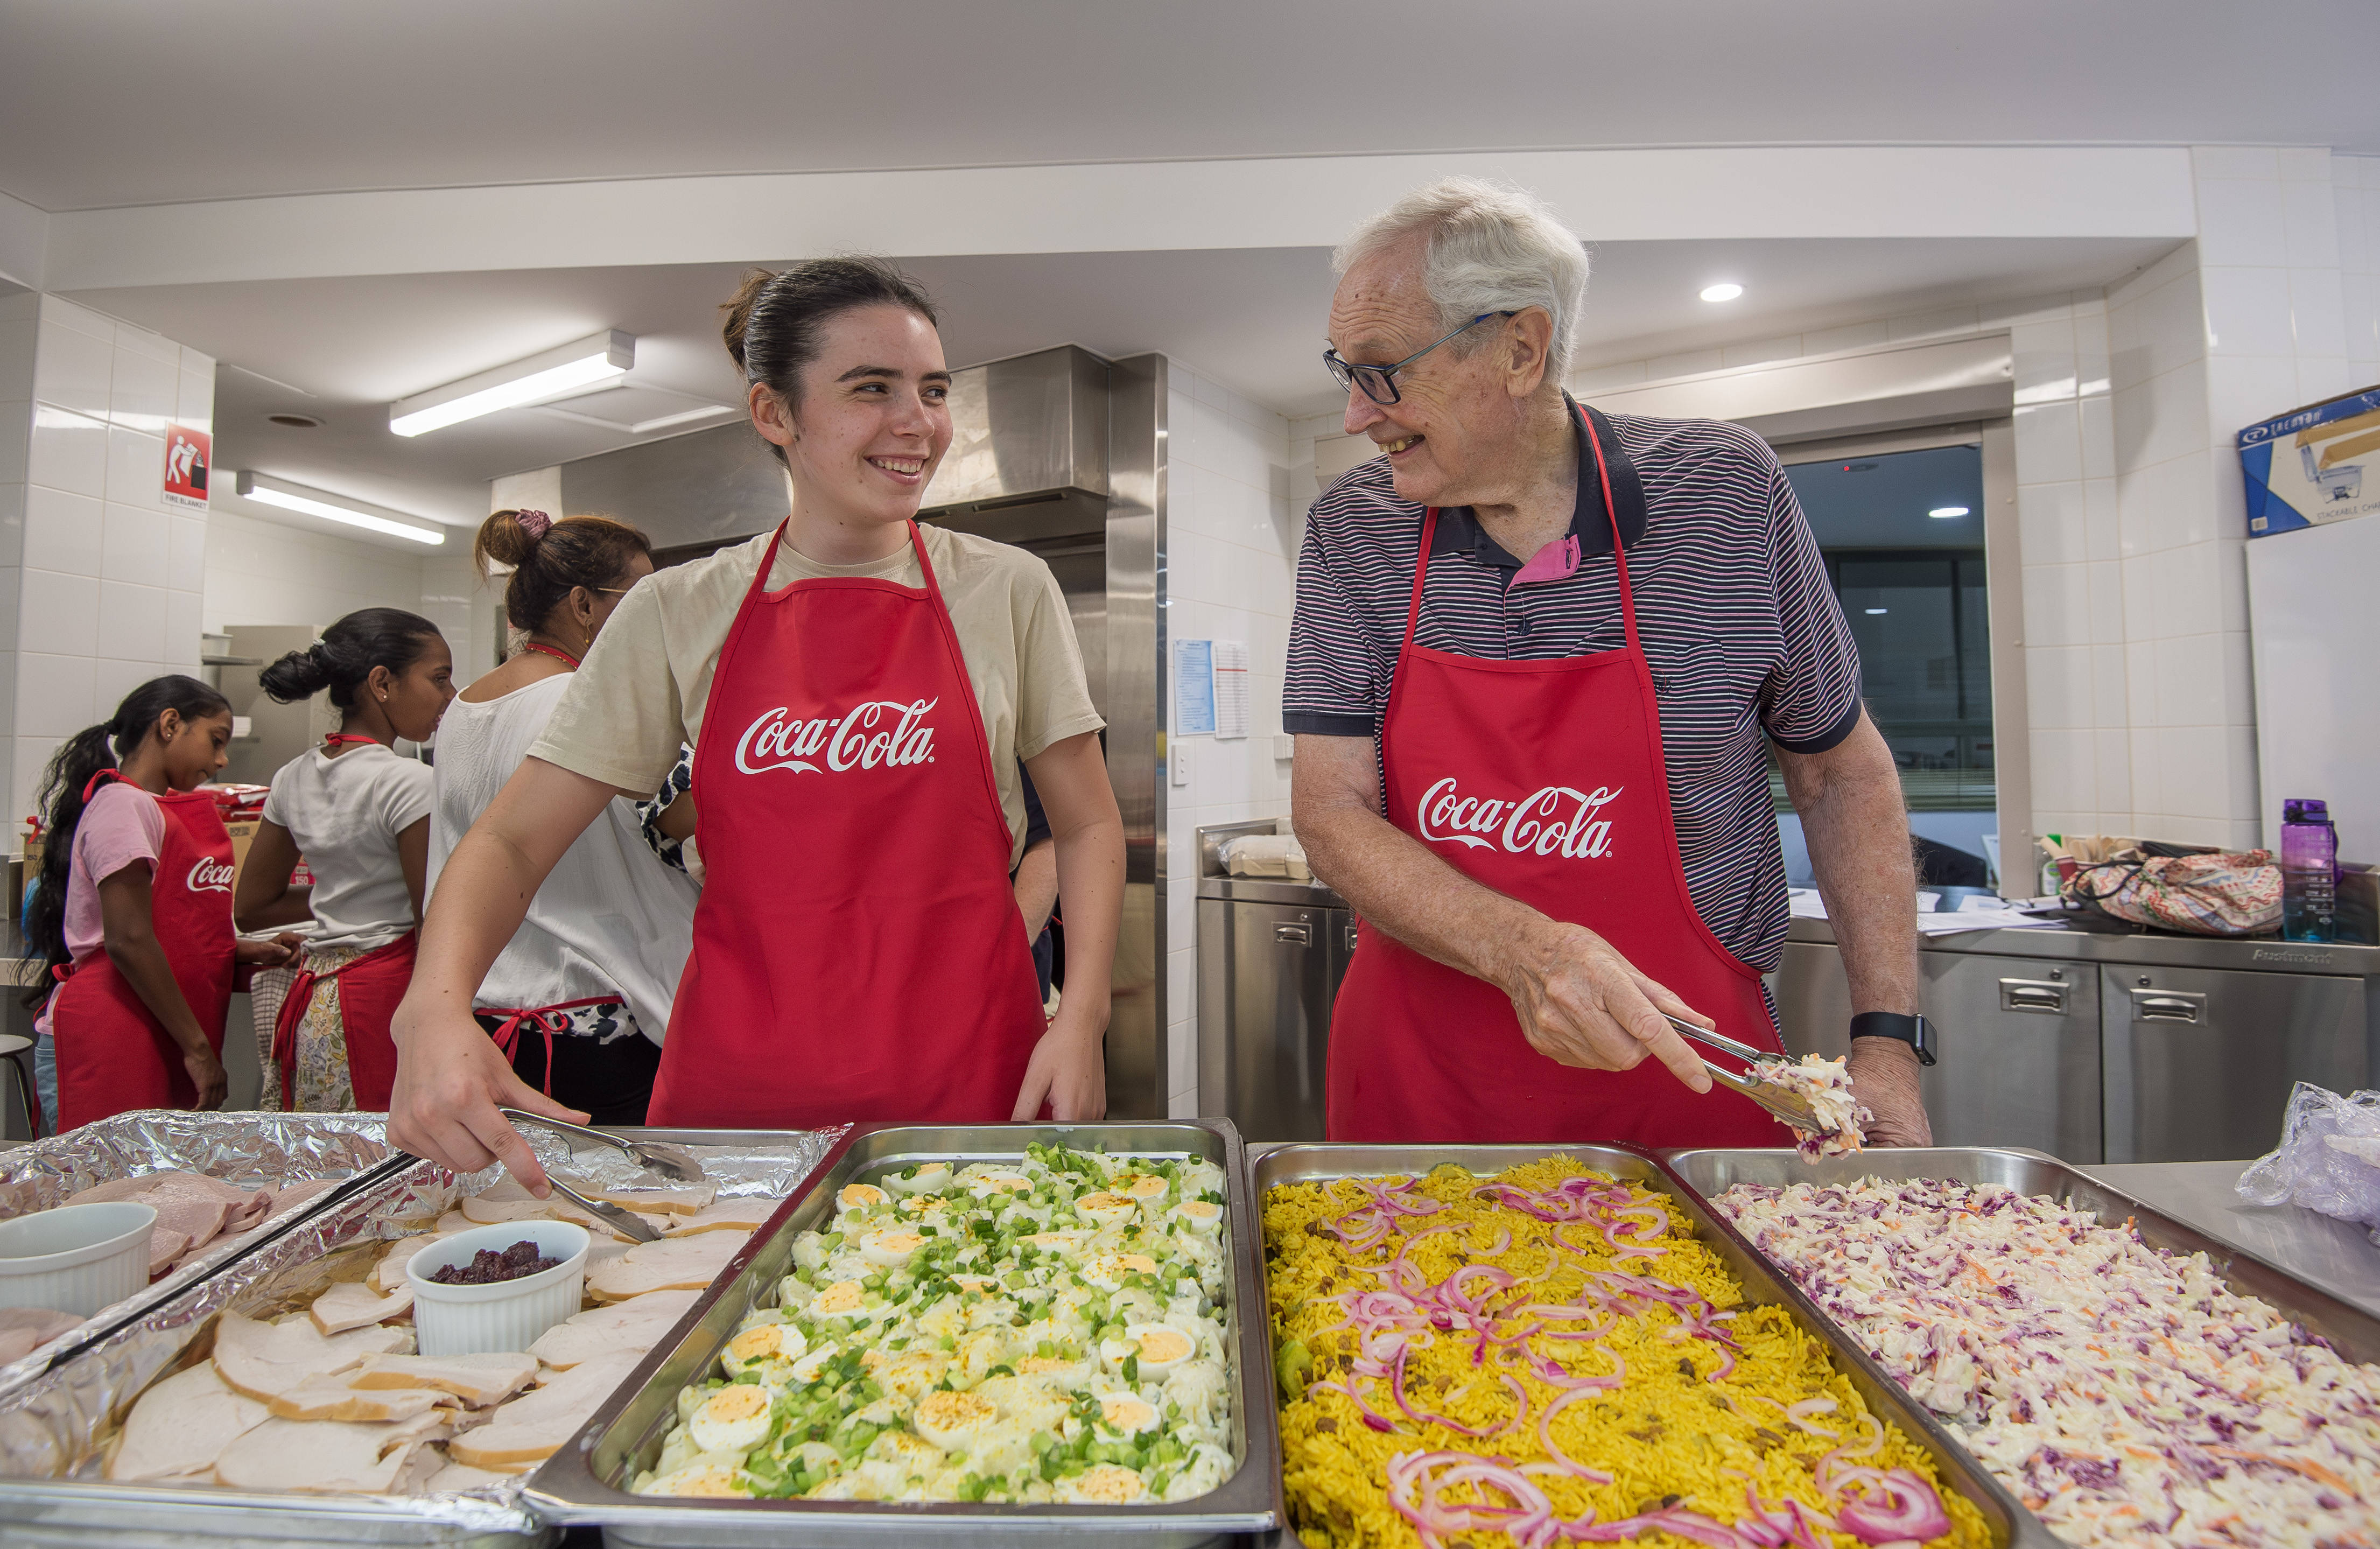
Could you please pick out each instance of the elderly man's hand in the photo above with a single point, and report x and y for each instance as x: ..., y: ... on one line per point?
x: 1884, y: 1076
x: 1582, y: 1004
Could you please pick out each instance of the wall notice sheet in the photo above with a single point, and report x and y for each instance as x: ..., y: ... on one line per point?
x: 1231, y: 688
x: 1194, y: 687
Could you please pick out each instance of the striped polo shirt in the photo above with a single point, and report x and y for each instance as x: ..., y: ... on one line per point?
x: 1744, y: 639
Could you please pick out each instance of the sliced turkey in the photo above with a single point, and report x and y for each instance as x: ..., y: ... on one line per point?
x: 24, y: 1330
x: 667, y: 1201
x: 535, y: 1425
x: 335, y: 1398
x: 353, y: 1304
x: 688, y: 1263
x: 726, y: 1215
x: 323, y: 1455
x: 263, y: 1360
x: 636, y: 1324
x: 477, y: 1380
x: 181, y: 1426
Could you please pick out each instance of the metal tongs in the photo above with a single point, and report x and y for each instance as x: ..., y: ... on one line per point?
x: 667, y: 1159
x: 1790, y: 1107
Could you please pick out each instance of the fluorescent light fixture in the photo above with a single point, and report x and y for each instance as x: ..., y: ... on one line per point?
x: 1944, y: 513
x: 598, y: 358
x: 264, y: 488
x: 1873, y: 612
x: 708, y: 410
x: 1724, y: 291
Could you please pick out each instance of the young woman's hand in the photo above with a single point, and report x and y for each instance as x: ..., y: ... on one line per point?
x: 451, y: 1079
x: 207, y: 1075
x: 1069, y: 1068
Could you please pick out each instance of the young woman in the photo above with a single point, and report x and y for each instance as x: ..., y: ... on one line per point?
x: 361, y: 816
x: 858, y: 690
x: 133, y: 910
x: 579, y: 998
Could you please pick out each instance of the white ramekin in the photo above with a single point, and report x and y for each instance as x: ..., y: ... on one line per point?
x: 509, y: 1315
x: 76, y: 1258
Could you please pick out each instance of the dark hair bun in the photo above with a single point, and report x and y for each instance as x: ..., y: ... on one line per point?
x: 346, y: 653
x: 592, y: 552
x: 776, y: 324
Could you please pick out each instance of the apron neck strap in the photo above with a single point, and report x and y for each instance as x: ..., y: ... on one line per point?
x: 92, y: 784
x: 769, y: 562
x: 1611, y: 513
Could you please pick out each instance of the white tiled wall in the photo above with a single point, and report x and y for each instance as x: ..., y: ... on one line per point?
x: 99, y: 576
x: 268, y: 572
x: 2355, y: 188
x: 1230, y: 551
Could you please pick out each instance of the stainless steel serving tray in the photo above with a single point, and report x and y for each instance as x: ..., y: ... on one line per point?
x: 2354, y: 1333
x: 251, y: 1149
x: 51, y: 1431
x: 583, y: 1481
x: 2010, y: 1523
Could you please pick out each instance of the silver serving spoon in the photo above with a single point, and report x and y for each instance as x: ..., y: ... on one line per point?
x: 653, y: 1155
x: 1790, y: 1106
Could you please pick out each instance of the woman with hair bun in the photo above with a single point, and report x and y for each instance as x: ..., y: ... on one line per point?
x: 578, y: 999
x: 859, y: 690
x: 132, y: 913
x: 360, y: 817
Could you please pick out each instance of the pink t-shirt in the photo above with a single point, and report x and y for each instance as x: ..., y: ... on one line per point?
x: 123, y: 823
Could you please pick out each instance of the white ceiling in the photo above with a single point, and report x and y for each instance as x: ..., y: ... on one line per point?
x: 342, y: 349
x: 151, y: 101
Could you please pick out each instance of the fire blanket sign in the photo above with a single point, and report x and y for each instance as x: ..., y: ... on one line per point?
x: 188, y: 454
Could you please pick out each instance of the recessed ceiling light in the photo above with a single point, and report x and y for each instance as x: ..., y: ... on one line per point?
x: 294, y: 422
x: 1722, y: 292
x: 602, y: 356
x: 1944, y: 513
x: 334, y: 507
x: 1873, y: 612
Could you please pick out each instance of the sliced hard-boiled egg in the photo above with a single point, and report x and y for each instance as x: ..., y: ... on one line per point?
x: 1052, y: 1371
x: 953, y: 1421
x: 1138, y: 1185
x: 1107, y: 1210
x: 998, y: 1180
x: 1161, y: 1347
x: 764, y: 1342
x: 807, y: 1369
x: 735, y: 1418
x: 1107, y: 1271
x: 1103, y: 1485
x: 1128, y: 1412
x: 860, y: 1196
x: 928, y: 1207
x: 697, y: 1479
x: 1057, y: 1242
x: 889, y: 1248
x: 1199, y: 1215
x: 927, y: 1177
x: 841, y: 1299
x: 976, y: 1285
x: 911, y: 1372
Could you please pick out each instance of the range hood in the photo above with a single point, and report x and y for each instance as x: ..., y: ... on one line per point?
x: 1029, y: 461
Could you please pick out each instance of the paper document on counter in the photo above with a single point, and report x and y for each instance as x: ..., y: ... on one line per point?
x: 1973, y: 914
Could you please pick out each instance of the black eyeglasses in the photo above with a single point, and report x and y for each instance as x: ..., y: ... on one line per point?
x: 1380, y: 383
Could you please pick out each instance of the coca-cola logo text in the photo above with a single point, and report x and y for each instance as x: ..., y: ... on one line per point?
x: 1556, y: 820
x: 884, y: 732
x: 210, y: 875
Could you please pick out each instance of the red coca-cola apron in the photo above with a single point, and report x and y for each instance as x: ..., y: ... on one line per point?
x: 113, y: 1054
x: 371, y: 985
x: 857, y: 953
x: 1543, y: 780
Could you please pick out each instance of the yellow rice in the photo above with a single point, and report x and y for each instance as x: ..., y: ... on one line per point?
x: 1665, y: 1433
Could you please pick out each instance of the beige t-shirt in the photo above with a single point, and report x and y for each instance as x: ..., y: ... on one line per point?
x: 641, y: 694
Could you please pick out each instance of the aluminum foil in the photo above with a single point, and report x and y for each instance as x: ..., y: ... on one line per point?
x: 58, y: 1427
x: 251, y: 1149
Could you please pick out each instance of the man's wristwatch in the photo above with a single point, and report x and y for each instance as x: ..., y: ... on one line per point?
x: 1916, y: 1031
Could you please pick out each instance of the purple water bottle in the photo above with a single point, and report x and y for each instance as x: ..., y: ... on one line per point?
x: 2309, y: 871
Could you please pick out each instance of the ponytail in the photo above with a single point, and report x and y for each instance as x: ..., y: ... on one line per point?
x: 81, y: 756
x: 346, y: 654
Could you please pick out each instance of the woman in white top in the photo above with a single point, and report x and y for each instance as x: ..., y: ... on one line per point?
x: 579, y: 998
x: 360, y: 817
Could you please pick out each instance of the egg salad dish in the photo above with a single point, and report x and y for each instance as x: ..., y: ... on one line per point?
x: 1046, y: 1330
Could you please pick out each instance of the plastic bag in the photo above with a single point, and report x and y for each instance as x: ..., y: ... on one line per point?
x: 1265, y: 854
x: 2328, y: 1159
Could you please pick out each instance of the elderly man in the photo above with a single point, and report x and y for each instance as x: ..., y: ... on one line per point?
x: 1555, y: 648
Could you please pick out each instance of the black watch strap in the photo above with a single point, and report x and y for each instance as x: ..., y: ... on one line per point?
x: 1916, y: 1031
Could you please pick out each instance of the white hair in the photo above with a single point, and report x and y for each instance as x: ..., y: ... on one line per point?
x: 1493, y: 248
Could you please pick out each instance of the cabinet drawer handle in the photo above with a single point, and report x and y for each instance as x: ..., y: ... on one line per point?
x: 1351, y: 938
x: 2151, y: 1006
x: 2032, y: 995
x: 1301, y: 935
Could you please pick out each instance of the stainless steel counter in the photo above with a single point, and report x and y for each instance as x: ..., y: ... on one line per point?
x: 2332, y: 1254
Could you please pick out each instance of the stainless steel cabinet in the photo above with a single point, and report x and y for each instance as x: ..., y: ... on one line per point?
x: 2021, y: 1062
x: 2200, y: 1062
x: 1268, y: 972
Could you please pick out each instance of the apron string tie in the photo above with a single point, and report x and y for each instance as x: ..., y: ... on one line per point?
x: 506, y: 1036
